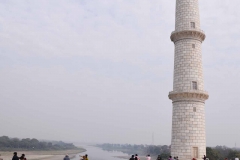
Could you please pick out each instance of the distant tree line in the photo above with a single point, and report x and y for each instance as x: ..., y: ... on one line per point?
x: 222, y: 152
x: 9, y: 144
x: 213, y: 153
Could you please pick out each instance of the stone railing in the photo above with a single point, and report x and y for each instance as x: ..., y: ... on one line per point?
x: 188, y: 34
x: 193, y: 95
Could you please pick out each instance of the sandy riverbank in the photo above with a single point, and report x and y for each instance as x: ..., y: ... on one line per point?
x: 42, y: 155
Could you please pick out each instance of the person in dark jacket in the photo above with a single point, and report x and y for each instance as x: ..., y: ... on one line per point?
x: 15, y: 157
x: 132, y: 158
x: 159, y: 157
x: 66, y: 158
x: 204, y: 157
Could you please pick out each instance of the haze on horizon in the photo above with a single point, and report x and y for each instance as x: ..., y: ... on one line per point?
x: 100, y: 71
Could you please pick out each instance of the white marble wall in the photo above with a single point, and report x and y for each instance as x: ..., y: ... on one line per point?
x: 187, y: 11
x: 187, y: 65
x: 188, y: 129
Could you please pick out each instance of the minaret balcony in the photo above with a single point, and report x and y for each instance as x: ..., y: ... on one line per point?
x: 193, y: 95
x: 188, y: 34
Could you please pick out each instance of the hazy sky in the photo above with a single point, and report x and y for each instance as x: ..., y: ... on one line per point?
x: 100, y: 70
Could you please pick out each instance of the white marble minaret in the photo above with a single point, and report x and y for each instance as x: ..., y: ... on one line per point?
x: 188, y: 95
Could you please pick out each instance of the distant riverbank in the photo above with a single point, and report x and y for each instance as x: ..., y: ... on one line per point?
x: 43, y: 155
x: 95, y: 153
x: 141, y: 150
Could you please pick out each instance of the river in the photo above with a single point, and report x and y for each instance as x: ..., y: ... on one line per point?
x: 95, y: 153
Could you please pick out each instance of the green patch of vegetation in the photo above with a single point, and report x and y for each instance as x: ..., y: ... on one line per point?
x: 222, y: 152
x: 213, y: 153
x: 10, y: 144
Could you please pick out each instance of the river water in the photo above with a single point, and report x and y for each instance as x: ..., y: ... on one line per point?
x: 95, y: 153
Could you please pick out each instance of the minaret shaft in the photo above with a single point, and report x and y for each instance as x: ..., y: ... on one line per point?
x: 187, y: 11
x: 188, y: 95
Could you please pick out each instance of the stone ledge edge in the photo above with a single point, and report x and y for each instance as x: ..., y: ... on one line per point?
x: 200, y: 96
x: 188, y: 34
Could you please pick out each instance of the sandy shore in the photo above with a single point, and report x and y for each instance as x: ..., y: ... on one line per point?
x: 42, y: 155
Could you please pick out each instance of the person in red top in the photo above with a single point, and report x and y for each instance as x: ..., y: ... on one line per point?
x: 23, y: 157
